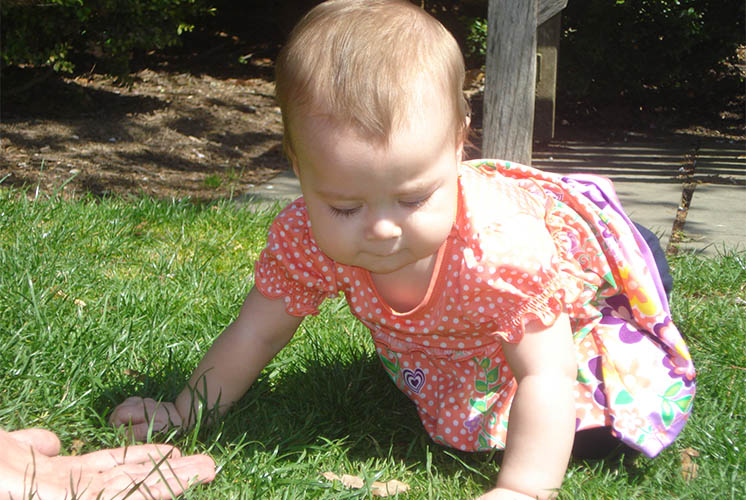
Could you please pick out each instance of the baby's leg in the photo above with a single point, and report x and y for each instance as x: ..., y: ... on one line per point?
x: 598, y: 443
x: 660, y: 257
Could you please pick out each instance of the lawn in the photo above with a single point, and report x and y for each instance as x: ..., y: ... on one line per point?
x: 102, y: 299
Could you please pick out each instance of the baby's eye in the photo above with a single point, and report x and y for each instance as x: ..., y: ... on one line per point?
x: 415, y: 203
x: 343, y: 212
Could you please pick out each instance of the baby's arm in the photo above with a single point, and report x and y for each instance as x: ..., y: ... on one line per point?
x: 231, y: 365
x: 541, y: 426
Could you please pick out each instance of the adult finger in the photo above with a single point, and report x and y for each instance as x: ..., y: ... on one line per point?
x: 40, y: 440
x: 167, y: 479
x: 103, y: 460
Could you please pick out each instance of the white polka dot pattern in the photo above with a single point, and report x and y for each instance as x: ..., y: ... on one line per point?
x: 516, y: 252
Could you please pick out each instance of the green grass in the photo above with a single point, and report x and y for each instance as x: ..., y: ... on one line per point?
x: 101, y: 299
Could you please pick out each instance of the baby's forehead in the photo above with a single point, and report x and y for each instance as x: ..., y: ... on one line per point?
x: 413, y: 104
x: 308, y: 125
x: 316, y: 129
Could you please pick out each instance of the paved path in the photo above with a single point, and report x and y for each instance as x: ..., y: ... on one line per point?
x: 650, y: 179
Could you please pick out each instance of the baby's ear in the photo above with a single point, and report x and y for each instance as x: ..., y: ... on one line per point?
x: 464, y: 139
x: 465, y: 134
x: 288, y: 149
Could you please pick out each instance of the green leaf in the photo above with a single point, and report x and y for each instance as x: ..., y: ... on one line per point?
x: 684, y: 403
x: 494, y: 389
x: 478, y: 405
x: 624, y: 398
x: 667, y: 413
x: 609, y: 278
x: 483, y: 442
x: 673, y: 390
x: 481, y: 386
x: 582, y: 377
x: 393, y: 368
x: 492, y: 375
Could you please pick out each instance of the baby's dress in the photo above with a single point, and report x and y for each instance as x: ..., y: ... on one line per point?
x: 525, y: 244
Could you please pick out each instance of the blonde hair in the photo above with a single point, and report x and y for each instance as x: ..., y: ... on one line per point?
x: 364, y: 63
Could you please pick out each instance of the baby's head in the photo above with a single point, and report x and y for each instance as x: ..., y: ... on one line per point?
x: 370, y: 65
x: 375, y: 118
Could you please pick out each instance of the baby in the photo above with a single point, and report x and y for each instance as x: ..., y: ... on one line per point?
x: 516, y: 308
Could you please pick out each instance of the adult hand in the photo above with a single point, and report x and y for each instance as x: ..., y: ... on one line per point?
x: 504, y: 494
x: 30, y: 467
x: 138, y: 414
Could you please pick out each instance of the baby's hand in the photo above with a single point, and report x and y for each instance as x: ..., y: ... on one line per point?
x: 137, y: 414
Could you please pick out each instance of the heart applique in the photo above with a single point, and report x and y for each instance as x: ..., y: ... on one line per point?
x: 415, y: 379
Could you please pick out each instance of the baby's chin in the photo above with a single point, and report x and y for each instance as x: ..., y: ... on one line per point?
x: 381, y: 269
x: 389, y: 264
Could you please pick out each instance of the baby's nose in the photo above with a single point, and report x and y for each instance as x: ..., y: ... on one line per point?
x: 383, y: 228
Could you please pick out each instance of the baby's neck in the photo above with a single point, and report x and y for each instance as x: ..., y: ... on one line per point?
x: 405, y: 289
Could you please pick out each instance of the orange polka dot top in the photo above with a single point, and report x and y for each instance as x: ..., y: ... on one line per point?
x: 498, y: 264
x: 517, y: 251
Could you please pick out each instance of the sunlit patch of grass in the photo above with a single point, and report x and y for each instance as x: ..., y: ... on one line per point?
x: 104, y: 298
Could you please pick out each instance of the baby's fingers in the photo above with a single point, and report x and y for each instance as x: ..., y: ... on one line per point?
x: 136, y: 410
x: 139, y: 432
x: 131, y: 410
x: 140, y: 416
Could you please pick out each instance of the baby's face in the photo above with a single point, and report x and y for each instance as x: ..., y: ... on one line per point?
x: 379, y: 207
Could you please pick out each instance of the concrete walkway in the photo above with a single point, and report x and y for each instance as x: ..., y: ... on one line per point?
x: 650, y: 179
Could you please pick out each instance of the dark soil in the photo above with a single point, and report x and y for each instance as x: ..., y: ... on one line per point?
x: 197, y: 123
x: 189, y: 124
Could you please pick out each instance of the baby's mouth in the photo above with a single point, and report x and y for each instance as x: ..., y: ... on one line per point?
x: 383, y: 255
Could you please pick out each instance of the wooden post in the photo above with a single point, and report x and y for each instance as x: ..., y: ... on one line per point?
x: 547, y: 47
x: 510, y: 80
x: 510, y: 76
x: 546, y: 9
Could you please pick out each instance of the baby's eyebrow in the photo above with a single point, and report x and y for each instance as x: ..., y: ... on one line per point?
x: 419, y: 188
x: 335, y: 195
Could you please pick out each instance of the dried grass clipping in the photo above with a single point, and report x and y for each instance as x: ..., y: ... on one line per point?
x: 688, y: 467
x: 378, y: 489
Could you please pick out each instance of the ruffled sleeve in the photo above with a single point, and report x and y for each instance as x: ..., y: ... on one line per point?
x: 534, y: 279
x: 519, y: 261
x: 292, y: 267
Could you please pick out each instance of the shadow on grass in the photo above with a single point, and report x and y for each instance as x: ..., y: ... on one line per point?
x: 333, y: 404
x: 291, y: 411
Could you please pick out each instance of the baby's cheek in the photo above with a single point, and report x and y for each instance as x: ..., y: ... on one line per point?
x: 337, y: 245
x: 434, y: 230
